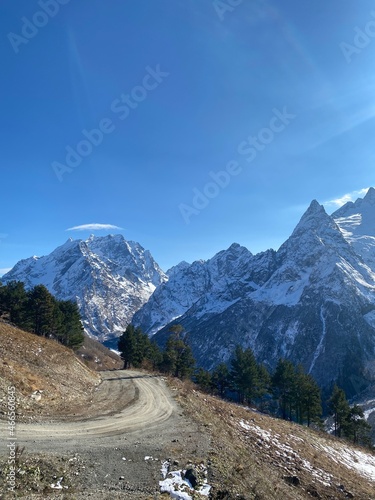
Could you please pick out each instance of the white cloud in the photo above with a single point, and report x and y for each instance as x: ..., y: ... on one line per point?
x: 339, y: 202
x: 4, y: 270
x: 95, y: 227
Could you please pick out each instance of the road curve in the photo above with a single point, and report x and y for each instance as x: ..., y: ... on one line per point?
x: 150, y: 406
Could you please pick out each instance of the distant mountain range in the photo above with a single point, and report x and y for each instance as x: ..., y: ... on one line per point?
x: 312, y: 301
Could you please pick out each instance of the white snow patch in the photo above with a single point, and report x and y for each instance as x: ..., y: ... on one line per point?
x: 268, y: 439
x: 363, y: 463
x: 177, y: 487
x: 57, y: 486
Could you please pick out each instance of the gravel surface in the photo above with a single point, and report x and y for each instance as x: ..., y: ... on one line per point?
x: 114, y: 446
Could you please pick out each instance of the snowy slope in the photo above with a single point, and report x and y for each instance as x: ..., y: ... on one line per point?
x: 211, y: 285
x: 109, y: 277
x: 312, y: 301
x: 357, y: 224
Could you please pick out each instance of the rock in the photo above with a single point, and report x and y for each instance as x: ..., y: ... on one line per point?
x: 192, y: 476
x: 313, y: 492
x: 293, y: 480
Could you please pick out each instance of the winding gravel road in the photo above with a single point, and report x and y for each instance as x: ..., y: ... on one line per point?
x: 121, y: 438
x: 148, y: 404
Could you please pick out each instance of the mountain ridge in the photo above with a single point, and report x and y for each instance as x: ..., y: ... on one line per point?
x: 311, y: 301
x: 108, y: 276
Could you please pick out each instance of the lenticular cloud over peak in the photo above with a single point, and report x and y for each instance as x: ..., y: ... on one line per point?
x: 95, y: 227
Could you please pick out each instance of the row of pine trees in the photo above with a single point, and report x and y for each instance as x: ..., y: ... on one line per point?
x: 288, y: 392
x: 39, y: 312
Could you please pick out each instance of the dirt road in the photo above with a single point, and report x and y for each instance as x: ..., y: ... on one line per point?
x: 118, y: 442
x: 147, y: 402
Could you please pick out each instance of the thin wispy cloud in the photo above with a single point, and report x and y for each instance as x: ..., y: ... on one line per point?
x: 339, y: 202
x: 4, y: 270
x: 95, y: 227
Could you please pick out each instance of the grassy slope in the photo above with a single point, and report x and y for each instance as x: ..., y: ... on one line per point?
x: 32, y: 363
x: 98, y: 357
x: 267, y: 458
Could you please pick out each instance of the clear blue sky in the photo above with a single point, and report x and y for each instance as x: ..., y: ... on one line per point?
x: 218, y: 78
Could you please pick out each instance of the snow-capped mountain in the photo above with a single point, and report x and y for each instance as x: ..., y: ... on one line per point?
x: 215, y: 284
x: 312, y: 301
x: 109, y: 277
x: 357, y: 223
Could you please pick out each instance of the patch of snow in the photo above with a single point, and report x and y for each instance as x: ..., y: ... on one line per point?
x: 363, y: 463
x: 178, y: 487
x: 57, y: 486
x: 269, y: 439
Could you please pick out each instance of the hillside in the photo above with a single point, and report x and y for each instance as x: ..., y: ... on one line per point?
x: 97, y: 357
x: 254, y: 456
x: 248, y: 455
x: 49, y: 378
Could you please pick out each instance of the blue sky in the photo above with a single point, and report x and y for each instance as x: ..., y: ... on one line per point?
x: 172, y: 94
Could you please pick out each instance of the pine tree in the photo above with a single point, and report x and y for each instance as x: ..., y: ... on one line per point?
x: 355, y: 426
x: 178, y: 358
x: 263, y: 386
x: 244, y: 374
x: 68, y: 325
x: 126, y: 346
x: 340, y: 409
x: 155, y: 355
x: 40, y: 308
x: 283, y: 387
x: 220, y: 378
x: 203, y: 378
x: 307, y: 398
x: 14, y: 302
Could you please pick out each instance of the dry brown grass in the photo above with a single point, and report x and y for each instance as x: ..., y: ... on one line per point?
x: 269, y: 460
x: 31, y: 363
x: 97, y: 357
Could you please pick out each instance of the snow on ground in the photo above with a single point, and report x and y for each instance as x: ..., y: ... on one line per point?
x: 178, y: 487
x: 270, y: 440
x: 351, y: 458
x: 367, y: 413
x: 363, y: 463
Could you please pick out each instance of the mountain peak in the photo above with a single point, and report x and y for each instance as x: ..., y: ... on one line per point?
x: 108, y: 277
x: 370, y: 196
x: 315, y: 208
x: 315, y: 231
x: 313, y: 217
